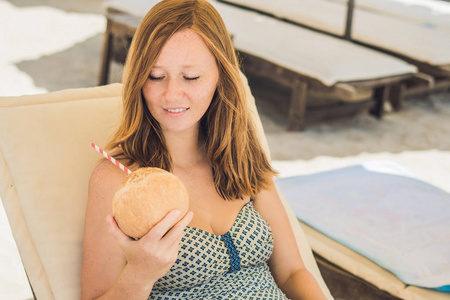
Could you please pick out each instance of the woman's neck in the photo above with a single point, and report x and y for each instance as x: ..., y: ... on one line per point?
x: 186, y: 148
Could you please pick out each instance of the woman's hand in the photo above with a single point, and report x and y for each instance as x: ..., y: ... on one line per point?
x: 154, y: 254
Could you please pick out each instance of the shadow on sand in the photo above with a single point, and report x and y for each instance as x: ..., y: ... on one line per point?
x: 75, y: 67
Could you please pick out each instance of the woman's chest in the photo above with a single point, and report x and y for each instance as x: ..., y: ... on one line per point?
x: 211, y: 212
x: 203, y: 256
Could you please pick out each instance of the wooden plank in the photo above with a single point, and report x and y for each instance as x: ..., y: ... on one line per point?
x: 348, y: 25
x: 119, y: 25
x: 422, y: 79
x: 336, y: 110
x: 345, y: 91
x: 122, y: 24
x: 274, y: 99
x: 381, y: 95
x: 344, y: 285
x: 442, y: 85
x: 396, y: 93
x: 436, y: 71
x: 420, y: 83
x: 298, y: 105
x: 105, y: 59
x: 381, y: 81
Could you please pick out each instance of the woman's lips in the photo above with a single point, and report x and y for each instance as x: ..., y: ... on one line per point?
x: 176, y: 110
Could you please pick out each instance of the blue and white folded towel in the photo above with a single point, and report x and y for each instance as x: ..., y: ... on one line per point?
x: 399, y: 222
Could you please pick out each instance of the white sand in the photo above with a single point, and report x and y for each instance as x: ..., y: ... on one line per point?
x: 34, y: 32
x: 418, y: 137
x: 37, y: 56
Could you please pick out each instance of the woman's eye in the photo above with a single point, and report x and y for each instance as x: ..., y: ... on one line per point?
x: 156, y: 78
x: 191, y: 78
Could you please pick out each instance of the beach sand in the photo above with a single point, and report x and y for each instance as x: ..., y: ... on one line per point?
x: 37, y: 57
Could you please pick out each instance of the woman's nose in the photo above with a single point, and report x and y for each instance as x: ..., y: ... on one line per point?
x: 174, y: 89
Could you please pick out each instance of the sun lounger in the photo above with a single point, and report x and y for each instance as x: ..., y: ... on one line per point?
x: 45, y: 163
x: 422, y: 44
x: 300, y: 58
x: 379, y: 223
x: 427, y: 13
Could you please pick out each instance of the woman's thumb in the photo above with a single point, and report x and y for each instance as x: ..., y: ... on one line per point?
x: 114, y: 229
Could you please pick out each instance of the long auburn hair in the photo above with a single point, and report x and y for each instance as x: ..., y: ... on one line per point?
x: 239, y: 165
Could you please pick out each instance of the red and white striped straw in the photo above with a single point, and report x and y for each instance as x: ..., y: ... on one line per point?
x: 100, y: 150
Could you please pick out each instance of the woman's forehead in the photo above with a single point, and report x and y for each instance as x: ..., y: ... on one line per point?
x: 186, y: 49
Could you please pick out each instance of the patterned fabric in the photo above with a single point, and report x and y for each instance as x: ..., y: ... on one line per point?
x: 230, y: 266
x: 235, y: 260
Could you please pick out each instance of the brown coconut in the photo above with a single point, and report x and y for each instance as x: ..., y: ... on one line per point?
x: 145, y: 197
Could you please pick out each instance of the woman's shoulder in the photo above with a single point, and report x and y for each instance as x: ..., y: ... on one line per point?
x: 106, y: 176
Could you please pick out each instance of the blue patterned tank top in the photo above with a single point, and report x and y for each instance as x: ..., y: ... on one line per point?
x: 229, y: 266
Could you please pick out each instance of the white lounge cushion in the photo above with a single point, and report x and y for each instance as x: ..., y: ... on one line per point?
x: 45, y: 163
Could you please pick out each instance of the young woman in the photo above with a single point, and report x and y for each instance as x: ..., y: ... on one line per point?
x: 185, y: 110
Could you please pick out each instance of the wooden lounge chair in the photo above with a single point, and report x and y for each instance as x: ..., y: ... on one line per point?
x: 412, y: 37
x: 428, y: 13
x: 45, y: 163
x: 294, y: 56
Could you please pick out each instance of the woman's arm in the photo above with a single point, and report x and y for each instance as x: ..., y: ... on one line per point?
x: 114, y: 265
x: 286, y: 263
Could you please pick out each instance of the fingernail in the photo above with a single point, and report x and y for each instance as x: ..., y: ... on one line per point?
x: 176, y: 213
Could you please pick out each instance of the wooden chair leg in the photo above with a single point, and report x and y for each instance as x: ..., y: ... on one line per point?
x: 395, y: 96
x: 106, y: 55
x: 298, y: 105
x: 381, y: 95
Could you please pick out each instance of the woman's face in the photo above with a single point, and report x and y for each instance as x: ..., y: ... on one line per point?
x: 182, y: 82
